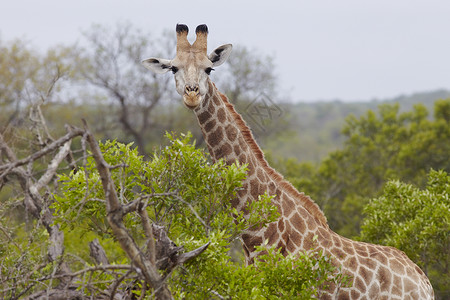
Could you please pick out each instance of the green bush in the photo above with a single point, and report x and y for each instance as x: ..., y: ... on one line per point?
x: 190, y: 197
x: 417, y: 221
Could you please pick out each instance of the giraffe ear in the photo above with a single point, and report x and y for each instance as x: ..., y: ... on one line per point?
x: 220, y: 55
x: 157, y: 65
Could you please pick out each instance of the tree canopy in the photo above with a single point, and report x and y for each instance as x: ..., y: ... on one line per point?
x: 416, y: 221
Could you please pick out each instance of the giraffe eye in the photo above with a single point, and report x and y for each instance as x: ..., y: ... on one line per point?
x: 208, y: 70
x: 174, y: 69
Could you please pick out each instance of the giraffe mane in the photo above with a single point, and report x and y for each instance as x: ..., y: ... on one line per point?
x: 305, y: 200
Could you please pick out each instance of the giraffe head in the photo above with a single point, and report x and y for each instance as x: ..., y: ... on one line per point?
x: 191, y: 66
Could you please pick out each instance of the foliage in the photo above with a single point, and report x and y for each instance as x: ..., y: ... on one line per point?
x: 273, y: 276
x: 184, y: 189
x: 379, y: 147
x: 191, y: 198
x: 416, y: 221
x: 22, y: 256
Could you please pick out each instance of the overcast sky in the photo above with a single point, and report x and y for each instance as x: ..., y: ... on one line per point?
x: 323, y: 49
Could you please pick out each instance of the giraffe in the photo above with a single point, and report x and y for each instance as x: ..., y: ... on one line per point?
x: 376, y: 272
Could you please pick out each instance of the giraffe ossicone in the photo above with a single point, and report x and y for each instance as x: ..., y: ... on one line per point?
x: 377, y: 272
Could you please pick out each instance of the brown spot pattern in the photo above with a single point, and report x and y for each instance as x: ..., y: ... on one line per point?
x: 373, y: 292
x: 397, y: 287
x: 338, y: 253
x: 360, y: 285
x: 296, y: 238
x: 242, y: 158
x: 308, y: 241
x: 361, y: 250
x: 290, y: 246
x: 251, y: 168
x: 348, y: 248
x: 215, y: 137
x: 408, y: 285
x: 355, y: 294
x: 231, y: 132
x: 282, y: 246
x: 223, y: 151
x: 281, y: 225
x: 396, y: 266
x: 260, y: 174
x: 380, y: 257
x: 237, y: 150
x: 221, y: 115
x: 271, y: 233
x: 251, y: 241
x: 384, y: 277
x: 243, y: 144
x: 351, y: 263
x: 337, y: 241
x: 254, y: 188
x: 242, y: 193
x: 203, y: 117
x: 366, y: 274
x: 272, y: 187
x: 217, y: 100
x: 312, y: 225
x: 324, y: 237
x: 298, y: 223
x: 210, y: 125
x: 235, y: 202
x: 287, y: 206
x: 344, y: 295
x: 211, y: 107
x: 370, y: 263
x: 283, y: 233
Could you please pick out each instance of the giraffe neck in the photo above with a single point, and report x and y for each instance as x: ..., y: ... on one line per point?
x: 228, y: 137
x: 375, y: 271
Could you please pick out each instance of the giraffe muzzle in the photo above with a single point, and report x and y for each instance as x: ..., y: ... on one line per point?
x: 191, y: 97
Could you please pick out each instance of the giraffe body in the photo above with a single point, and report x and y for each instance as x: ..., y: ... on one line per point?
x: 377, y: 272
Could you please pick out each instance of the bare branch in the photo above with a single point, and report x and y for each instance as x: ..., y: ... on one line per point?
x: 98, y: 253
x: 117, y: 283
x: 115, y: 220
x: 58, y: 294
x: 138, y: 203
x: 184, y: 257
x: 34, y: 202
x: 51, y: 169
x: 151, y: 249
x: 38, y: 154
x: 93, y: 269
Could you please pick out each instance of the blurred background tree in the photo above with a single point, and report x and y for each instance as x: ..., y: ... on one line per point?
x: 110, y: 68
x: 246, y: 74
x: 377, y: 147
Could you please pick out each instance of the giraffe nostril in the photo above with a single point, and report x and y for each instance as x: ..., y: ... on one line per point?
x: 191, y: 88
